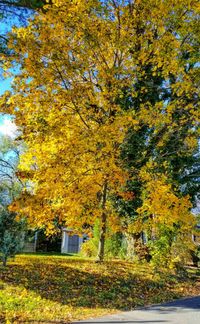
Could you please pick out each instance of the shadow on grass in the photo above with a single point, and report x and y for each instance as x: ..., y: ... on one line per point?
x: 62, y: 282
x: 3, y: 321
x: 75, y: 283
x: 53, y: 254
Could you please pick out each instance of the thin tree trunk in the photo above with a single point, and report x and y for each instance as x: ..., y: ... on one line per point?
x: 130, y: 246
x: 4, y: 259
x: 101, y: 250
x: 153, y: 230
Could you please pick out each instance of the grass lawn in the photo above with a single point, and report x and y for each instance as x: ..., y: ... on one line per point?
x: 58, y: 289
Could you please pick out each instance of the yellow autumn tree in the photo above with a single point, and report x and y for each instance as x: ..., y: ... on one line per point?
x: 166, y: 219
x: 76, y: 60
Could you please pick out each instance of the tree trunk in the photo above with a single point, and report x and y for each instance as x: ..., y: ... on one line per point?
x: 4, y: 260
x: 130, y: 246
x: 153, y: 230
x: 136, y: 247
x: 102, y: 238
x: 101, y: 250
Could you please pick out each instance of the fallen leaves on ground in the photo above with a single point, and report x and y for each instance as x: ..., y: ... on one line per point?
x: 59, y: 289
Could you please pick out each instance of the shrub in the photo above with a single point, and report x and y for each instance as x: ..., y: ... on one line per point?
x: 89, y: 248
x: 11, y: 235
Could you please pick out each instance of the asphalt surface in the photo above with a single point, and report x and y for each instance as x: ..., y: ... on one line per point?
x: 185, y: 311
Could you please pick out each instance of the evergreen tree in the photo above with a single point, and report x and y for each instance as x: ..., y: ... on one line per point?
x: 11, y: 234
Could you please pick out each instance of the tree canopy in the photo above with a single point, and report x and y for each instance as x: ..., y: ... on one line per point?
x: 93, y: 72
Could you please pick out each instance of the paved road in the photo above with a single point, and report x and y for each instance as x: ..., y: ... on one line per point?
x: 186, y: 311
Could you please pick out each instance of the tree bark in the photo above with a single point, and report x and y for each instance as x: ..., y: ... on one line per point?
x: 130, y: 246
x: 4, y: 260
x: 101, y: 250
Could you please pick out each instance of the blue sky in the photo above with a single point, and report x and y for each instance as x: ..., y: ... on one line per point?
x: 5, y: 85
x: 7, y: 127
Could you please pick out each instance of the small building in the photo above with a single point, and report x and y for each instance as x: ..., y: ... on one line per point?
x: 65, y: 242
x: 71, y: 243
x: 196, y: 236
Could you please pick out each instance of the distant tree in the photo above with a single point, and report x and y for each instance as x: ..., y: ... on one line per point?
x: 10, y: 184
x: 11, y: 230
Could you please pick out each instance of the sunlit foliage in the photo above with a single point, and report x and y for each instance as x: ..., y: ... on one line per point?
x: 80, y: 60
